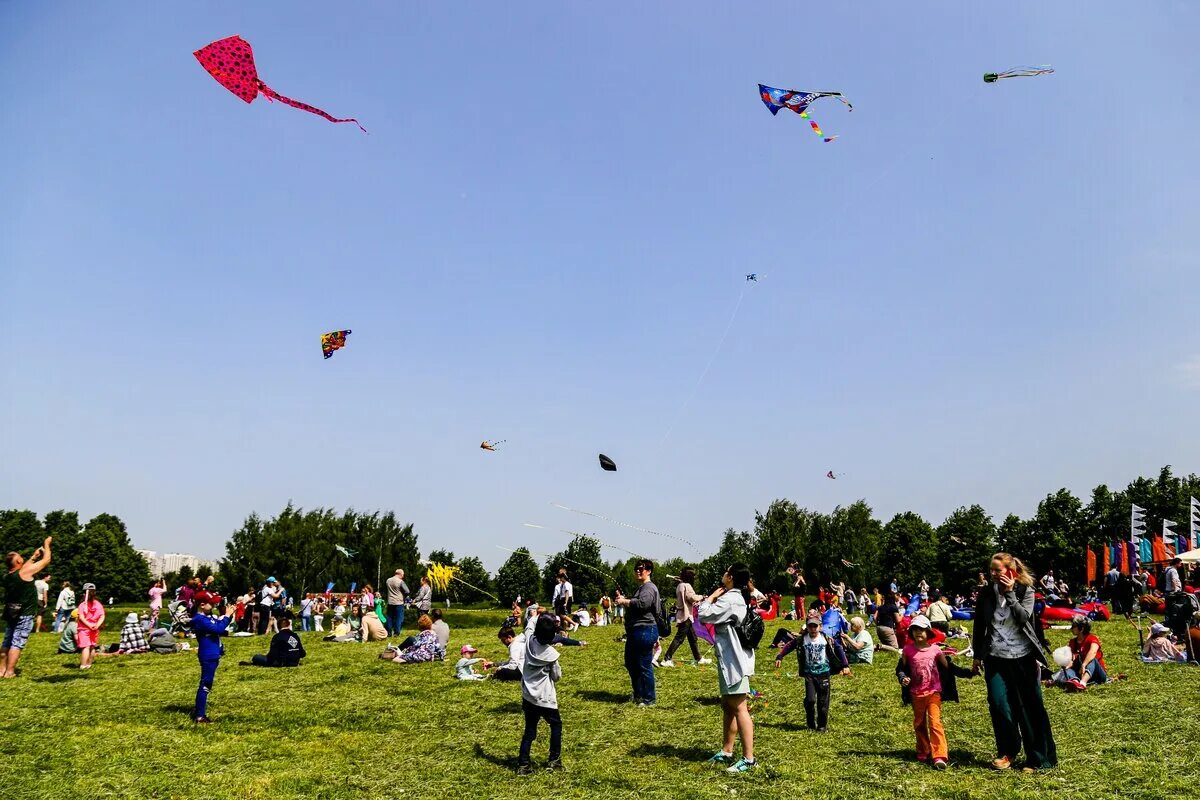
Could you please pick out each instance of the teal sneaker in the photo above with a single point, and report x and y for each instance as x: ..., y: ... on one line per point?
x: 742, y: 765
x: 720, y: 757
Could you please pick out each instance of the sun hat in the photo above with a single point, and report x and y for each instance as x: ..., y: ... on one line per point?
x: 131, y: 617
x: 91, y: 586
x: 920, y: 621
x: 1158, y: 628
x: 466, y: 648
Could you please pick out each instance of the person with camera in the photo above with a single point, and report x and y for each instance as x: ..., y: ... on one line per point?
x: 725, y: 609
x: 20, y: 605
x: 641, y: 633
x: 209, y: 630
x: 1009, y: 651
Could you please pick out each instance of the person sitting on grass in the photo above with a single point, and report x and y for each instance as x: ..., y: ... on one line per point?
x: 1087, y: 657
x: 340, y: 631
x: 66, y: 643
x: 133, y: 638
x: 286, y: 648
x: 424, y: 648
x: 372, y: 629
x: 539, y: 699
x: 510, y: 670
x: 1159, y: 648
x: 440, y: 629
x: 859, y: 646
x: 464, y: 670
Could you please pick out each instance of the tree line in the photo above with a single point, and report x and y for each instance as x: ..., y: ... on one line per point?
x: 310, y: 549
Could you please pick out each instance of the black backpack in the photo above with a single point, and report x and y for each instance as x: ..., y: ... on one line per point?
x: 750, y: 629
x: 662, y: 619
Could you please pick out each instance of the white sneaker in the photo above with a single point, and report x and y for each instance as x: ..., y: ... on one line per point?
x: 656, y: 663
x: 667, y: 663
x: 703, y: 661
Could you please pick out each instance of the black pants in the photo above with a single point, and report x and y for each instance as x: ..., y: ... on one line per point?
x: 264, y: 618
x: 683, y: 630
x: 816, y: 700
x: 506, y: 674
x: 944, y: 627
x: 782, y: 636
x: 532, y: 715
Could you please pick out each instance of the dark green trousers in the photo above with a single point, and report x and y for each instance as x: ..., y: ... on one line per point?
x: 1018, y: 713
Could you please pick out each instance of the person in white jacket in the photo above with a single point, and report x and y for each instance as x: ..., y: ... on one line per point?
x: 724, y: 609
x: 539, y: 699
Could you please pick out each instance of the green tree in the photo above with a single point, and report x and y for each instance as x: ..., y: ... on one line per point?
x: 909, y: 551
x: 585, y: 568
x: 472, y: 572
x: 517, y: 577
x: 780, y: 537
x: 966, y: 542
x: 736, y: 547
x: 21, y: 531
x: 1055, y: 537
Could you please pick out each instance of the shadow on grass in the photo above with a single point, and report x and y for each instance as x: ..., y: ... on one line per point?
x: 74, y: 676
x: 179, y: 708
x: 786, y: 726
x: 604, y: 697
x: 959, y: 758
x: 674, y: 752
x: 507, y: 708
x: 708, y: 700
x: 504, y: 762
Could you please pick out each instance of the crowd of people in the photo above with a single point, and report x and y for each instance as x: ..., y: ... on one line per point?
x: 1007, y: 643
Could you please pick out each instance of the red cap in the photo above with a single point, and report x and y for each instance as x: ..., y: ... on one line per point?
x: 207, y: 597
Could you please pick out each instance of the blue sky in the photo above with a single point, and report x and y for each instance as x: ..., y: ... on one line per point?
x: 979, y: 293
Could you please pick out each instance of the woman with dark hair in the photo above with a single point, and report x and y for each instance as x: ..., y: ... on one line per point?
x: 685, y: 611
x: 725, y: 609
x: 887, y: 617
x: 1087, y: 657
x: 1009, y: 651
x: 641, y: 633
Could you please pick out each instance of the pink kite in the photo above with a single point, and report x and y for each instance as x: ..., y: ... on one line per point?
x: 705, y: 632
x: 231, y: 62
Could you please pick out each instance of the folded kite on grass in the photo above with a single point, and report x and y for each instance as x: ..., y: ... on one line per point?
x: 231, y: 62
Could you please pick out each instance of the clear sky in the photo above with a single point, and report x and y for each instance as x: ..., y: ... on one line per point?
x: 978, y: 293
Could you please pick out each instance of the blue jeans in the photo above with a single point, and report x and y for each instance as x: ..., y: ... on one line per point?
x: 395, y: 620
x: 60, y: 619
x: 639, y: 658
x: 208, y: 671
x: 304, y: 623
x: 1096, y: 673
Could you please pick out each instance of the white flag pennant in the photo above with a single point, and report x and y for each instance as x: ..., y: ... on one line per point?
x: 1194, y: 524
x: 1137, y: 522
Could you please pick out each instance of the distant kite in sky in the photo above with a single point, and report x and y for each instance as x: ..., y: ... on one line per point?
x: 486, y: 445
x: 345, y: 552
x: 607, y: 464
x: 231, y: 62
x: 334, y: 340
x: 1018, y: 72
x: 752, y: 276
x: 776, y: 99
x: 831, y: 476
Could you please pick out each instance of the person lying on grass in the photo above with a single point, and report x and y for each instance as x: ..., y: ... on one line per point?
x: 286, y: 648
x: 133, y: 639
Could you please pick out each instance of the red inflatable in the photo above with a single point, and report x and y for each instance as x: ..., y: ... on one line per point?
x: 774, y: 612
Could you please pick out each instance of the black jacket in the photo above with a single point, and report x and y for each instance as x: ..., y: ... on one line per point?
x: 286, y: 649
x: 833, y: 652
x: 947, y: 671
x: 1022, y: 603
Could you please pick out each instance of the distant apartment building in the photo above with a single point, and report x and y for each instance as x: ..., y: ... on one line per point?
x: 162, y: 563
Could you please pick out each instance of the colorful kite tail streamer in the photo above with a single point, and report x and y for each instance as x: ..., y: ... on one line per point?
x: 271, y: 94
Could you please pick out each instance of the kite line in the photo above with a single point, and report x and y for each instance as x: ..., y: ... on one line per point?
x: 627, y: 525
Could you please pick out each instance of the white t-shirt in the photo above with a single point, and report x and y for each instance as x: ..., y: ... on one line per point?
x: 564, y: 589
x: 43, y: 591
x: 583, y: 618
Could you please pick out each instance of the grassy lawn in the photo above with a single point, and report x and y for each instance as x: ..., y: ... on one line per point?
x: 346, y: 725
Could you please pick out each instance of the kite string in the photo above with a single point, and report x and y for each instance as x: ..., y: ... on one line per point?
x: 564, y: 558
x: 627, y: 525
x: 696, y: 387
x: 591, y: 536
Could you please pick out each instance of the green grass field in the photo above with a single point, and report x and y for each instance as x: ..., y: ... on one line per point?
x: 347, y: 725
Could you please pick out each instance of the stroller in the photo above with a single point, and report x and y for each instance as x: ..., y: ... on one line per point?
x: 181, y: 621
x: 1183, y: 611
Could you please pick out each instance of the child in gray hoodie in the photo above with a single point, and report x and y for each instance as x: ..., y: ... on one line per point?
x: 539, y: 700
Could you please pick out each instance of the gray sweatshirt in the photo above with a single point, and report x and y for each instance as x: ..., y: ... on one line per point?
x: 539, y: 674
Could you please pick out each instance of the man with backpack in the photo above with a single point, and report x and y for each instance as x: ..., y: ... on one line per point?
x: 642, y: 612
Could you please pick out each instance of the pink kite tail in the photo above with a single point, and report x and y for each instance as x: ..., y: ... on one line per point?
x: 271, y: 94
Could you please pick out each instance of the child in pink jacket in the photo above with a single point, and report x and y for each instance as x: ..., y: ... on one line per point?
x: 91, y: 618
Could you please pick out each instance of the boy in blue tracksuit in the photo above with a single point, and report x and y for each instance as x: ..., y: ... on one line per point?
x: 209, y: 630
